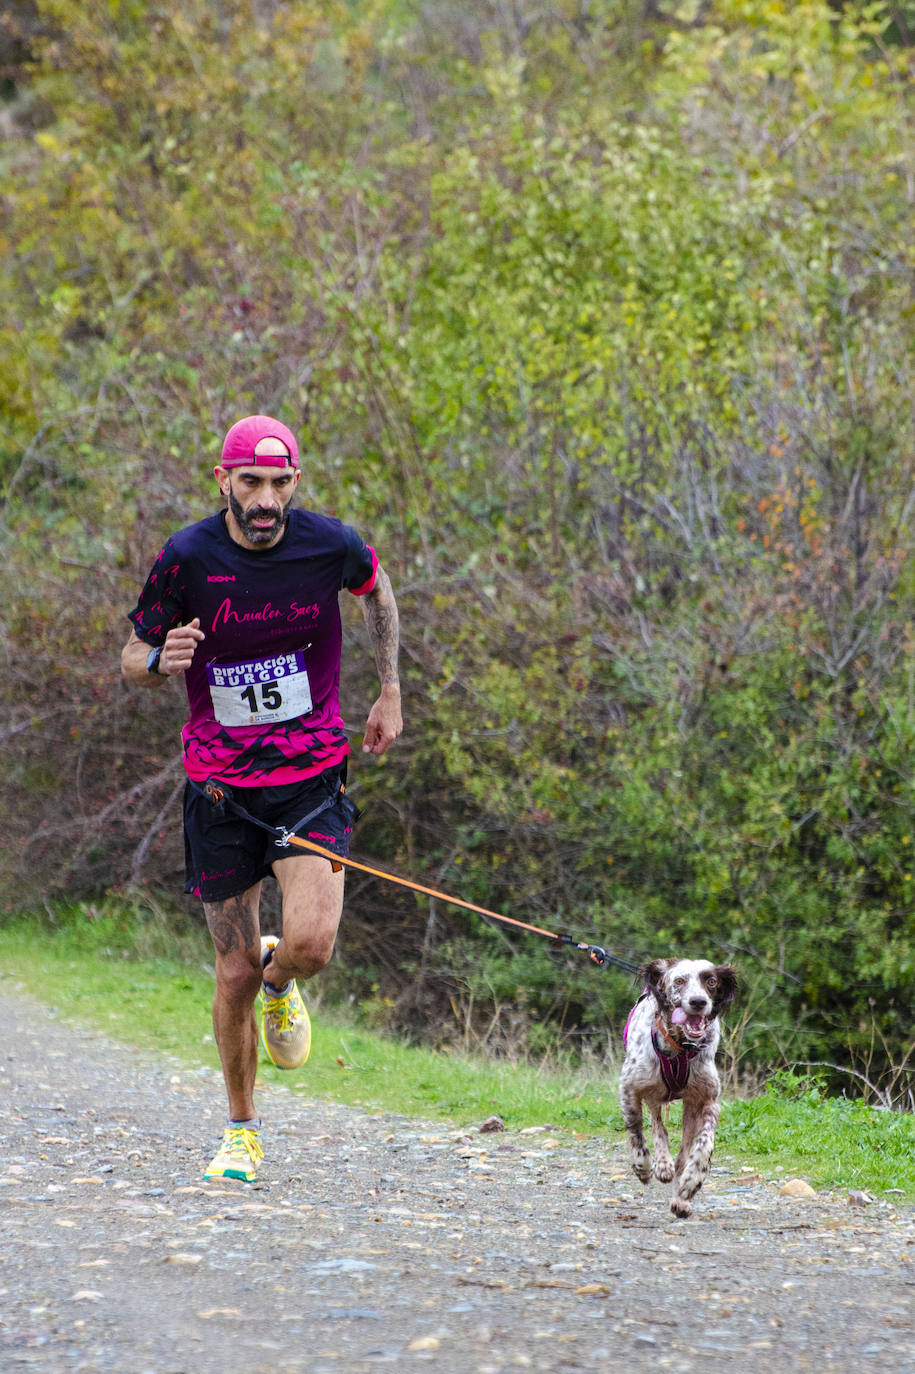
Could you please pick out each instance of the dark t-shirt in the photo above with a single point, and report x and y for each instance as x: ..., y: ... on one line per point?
x: 263, y: 688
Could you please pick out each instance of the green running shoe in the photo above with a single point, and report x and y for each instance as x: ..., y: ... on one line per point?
x: 285, y: 1027
x: 239, y: 1155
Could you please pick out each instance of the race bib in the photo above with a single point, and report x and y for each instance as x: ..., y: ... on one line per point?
x: 260, y: 692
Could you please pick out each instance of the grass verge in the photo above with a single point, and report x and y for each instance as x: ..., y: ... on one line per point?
x: 147, y: 980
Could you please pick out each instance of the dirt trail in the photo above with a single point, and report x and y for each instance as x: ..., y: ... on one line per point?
x: 376, y: 1240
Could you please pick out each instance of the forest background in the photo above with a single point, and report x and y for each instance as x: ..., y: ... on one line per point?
x: 596, y: 318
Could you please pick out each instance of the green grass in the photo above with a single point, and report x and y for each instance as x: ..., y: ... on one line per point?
x: 90, y: 956
x: 166, y: 970
x: 830, y: 1141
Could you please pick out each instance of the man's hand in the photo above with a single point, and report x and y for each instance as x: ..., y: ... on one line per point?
x: 176, y: 656
x: 178, y: 649
x: 380, y: 612
x: 385, y: 722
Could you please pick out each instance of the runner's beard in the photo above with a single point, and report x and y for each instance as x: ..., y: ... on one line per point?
x: 245, y: 519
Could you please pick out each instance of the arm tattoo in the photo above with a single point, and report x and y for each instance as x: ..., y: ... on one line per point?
x: 380, y: 611
x: 231, y: 923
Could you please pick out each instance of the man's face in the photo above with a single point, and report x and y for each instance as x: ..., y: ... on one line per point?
x: 259, y: 499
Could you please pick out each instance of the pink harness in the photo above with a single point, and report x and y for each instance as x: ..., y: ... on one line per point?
x: 674, y: 1067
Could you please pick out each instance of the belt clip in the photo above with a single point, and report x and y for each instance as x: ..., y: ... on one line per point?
x: 215, y: 795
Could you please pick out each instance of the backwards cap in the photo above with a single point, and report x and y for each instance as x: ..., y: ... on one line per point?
x: 245, y: 438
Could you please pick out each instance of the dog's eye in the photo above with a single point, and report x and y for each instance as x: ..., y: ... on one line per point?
x: 679, y: 982
x: 711, y: 981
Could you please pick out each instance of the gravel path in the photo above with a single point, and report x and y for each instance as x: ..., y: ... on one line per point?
x: 373, y: 1240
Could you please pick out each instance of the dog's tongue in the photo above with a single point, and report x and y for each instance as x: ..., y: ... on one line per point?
x: 678, y: 1016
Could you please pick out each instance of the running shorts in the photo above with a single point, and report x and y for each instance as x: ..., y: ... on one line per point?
x: 225, y: 853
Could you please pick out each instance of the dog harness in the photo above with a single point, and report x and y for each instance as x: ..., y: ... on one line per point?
x: 674, y: 1066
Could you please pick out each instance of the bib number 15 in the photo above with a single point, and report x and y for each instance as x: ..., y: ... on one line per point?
x: 260, y: 692
x: 270, y: 697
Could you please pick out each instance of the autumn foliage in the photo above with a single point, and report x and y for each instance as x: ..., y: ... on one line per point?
x: 598, y: 322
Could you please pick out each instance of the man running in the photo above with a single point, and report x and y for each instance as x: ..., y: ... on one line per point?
x: 245, y: 606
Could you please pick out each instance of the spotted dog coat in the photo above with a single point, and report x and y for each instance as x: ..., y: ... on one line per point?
x: 671, y: 1038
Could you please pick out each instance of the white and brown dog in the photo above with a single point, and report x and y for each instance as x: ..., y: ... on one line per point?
x: 670, y: 1040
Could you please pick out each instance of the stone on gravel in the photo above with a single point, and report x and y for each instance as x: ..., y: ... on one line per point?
x: 797, y: 1187
x: 492, y: 1123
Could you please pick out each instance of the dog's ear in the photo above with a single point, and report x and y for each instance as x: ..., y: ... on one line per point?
x: 727, y: 989
x: 653, y: 977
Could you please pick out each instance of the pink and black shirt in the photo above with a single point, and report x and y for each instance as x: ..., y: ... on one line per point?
x: 263, y: 689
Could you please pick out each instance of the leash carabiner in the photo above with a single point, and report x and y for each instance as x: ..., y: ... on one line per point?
x: 596, y: 953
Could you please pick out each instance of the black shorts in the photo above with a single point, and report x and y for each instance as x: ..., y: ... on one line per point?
x: 225, y: 853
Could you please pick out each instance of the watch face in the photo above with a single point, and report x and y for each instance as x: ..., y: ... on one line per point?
x: 152, y: 660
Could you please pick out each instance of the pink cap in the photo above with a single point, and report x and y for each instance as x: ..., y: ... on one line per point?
x: 239, y: 449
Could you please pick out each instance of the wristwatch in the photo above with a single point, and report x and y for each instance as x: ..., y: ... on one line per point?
x: 152, y: 659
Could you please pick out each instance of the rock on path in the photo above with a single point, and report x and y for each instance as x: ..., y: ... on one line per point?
x: 373, y: 1240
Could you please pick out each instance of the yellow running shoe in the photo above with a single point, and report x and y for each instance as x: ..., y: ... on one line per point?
x: 285, y: 1027
x: 239, y: 1154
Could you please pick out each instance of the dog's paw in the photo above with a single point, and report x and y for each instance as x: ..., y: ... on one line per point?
x: 681, y: 1208
x: 664, y: 1170
x: 641, y: 1167
x: 690, y: 1180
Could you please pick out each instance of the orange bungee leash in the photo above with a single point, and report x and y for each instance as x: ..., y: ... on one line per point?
x: 218, y: 796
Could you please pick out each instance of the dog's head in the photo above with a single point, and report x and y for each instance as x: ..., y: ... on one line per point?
x: 690, y: 993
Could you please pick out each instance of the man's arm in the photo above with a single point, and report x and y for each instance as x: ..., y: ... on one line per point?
x: 176, y: 656
x: 379, y: 609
